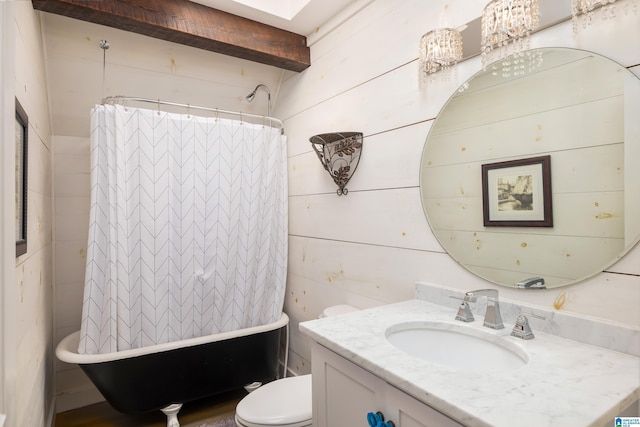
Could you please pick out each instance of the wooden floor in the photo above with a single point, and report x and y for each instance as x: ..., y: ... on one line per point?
x: 191, y: 415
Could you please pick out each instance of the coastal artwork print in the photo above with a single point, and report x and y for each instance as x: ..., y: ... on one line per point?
x: 517, y: 193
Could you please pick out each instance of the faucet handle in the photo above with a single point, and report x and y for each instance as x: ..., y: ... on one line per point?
x: 522, y: 329
x: 464, y: 311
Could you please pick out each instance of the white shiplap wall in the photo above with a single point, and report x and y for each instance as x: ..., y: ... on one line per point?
x: 29, y: 308
x: 370, y: 247
x: 365, y: 249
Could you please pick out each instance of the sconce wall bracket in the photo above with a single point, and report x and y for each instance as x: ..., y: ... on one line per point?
x: 339, y: 154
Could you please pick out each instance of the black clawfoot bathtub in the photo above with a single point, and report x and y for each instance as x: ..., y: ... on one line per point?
x: 155, y: 377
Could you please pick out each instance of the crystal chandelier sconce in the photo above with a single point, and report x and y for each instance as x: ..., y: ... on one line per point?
x: 339, y: 154
x: 505, y: 30
x: 583, y: 12
x: 440, y: 49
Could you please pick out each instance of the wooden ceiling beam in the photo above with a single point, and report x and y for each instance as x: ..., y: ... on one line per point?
x: 191, y: 24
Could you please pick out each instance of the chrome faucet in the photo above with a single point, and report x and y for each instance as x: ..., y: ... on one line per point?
x: 492, y: 317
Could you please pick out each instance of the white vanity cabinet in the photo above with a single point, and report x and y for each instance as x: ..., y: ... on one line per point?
x: 343, y: 394
x: 356, y: 369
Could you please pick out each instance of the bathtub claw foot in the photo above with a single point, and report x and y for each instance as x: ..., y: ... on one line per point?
x: 171, y: 412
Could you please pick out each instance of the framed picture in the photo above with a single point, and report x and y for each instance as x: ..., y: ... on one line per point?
x: 517, y: 193
x: 22, y: 133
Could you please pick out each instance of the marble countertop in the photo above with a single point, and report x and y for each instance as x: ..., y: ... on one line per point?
x: 565, y: 382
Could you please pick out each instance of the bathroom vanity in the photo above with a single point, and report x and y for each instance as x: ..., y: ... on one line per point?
x: 586, y: 380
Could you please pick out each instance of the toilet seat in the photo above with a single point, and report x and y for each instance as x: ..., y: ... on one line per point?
x: 282, y: 403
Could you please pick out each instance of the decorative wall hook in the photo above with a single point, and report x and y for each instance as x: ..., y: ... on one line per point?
x: 339, y: 153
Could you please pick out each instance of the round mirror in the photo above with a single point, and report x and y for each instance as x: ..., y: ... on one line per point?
x: 529, y: 180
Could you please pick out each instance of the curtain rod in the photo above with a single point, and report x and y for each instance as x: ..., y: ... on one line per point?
x: 119, y: 99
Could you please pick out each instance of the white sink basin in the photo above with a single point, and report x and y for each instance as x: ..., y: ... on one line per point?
x: 457, y: 346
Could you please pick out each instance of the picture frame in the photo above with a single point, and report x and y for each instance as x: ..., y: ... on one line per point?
x: 517, y: 193
x: 22, y: 145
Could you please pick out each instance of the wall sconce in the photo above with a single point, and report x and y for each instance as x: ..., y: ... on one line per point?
x: 504, y: 23
x: 339, y: 154
x: 440, y: 49
x: 583, y: 11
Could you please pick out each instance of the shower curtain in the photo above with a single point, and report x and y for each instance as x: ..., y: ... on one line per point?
x: 188, y: 228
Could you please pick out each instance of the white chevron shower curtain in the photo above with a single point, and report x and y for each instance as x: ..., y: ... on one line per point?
x: 188, y: 228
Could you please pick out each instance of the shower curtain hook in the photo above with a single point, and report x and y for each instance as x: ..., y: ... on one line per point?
x: 158, y: 106
x: 216, y: 115
x: 188, y: 111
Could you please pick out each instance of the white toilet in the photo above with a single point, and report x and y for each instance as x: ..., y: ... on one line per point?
x: 285, y: 402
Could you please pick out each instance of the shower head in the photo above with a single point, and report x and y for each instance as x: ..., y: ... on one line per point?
x: 252, y: 95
